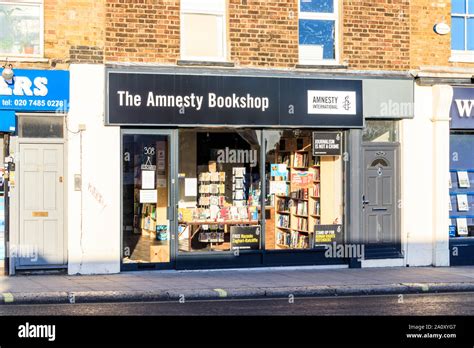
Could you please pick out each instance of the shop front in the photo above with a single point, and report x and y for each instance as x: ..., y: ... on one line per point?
x: 461, y: 183
x: 223, y: 171
x: 33, y: 105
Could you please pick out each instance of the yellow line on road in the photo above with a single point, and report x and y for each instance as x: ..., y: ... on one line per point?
x: 7, y: 297
x: 221, y: 292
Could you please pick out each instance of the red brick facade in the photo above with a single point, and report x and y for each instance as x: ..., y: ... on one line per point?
x: 374, y: 34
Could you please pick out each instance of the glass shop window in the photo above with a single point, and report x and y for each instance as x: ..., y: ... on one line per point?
x: 304, y: 192
x: 146, y: 198
x: 219, y: 190
x: 461, y: 184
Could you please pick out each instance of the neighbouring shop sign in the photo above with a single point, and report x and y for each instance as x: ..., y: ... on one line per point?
x: 327, y: 143
x: 135, y: 98
x: 462, y: 108
x: 326, y: 234
x: 245, y: 237
x: 36, y: 90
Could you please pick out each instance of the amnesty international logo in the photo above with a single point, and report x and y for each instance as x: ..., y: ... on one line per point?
x: 332, y: 102
x: 347, y: 104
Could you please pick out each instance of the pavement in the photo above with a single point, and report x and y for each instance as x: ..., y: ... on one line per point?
x: 234, y: 283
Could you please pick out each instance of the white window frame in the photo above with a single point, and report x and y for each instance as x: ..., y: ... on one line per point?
x: 321, y: 16
x: 205, y: 7
x: 463, y: 56
x: 39, y: 3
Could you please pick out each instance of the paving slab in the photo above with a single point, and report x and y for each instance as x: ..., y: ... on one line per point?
x: 237, y: 283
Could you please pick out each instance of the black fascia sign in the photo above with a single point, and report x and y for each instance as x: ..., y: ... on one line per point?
x: 148, y: 99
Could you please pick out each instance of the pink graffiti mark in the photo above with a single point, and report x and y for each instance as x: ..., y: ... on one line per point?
x: 97, y: 195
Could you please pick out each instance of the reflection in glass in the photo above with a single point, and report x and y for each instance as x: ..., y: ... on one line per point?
x: 380, y: 131
x: 41, y: 126
x: 320, y: 6
x: 458, y: 33
x: 318, y: 33
x: 20, y: 26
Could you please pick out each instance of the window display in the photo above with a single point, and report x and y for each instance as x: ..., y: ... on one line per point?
x: 219, y: 190
x: 303, y: 190
x: 461, y: 197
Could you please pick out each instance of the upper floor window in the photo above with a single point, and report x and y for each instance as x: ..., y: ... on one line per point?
x: 462, y: 28
x: 203, y: 30
x: 318, y: 31
x: 21, y: 28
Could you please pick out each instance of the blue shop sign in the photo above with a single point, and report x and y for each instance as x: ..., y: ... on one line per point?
x: 36, y: 91
x: 462, y: 108
x: 7, y: 121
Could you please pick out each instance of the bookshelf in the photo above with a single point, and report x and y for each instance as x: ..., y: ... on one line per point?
x: 211, y: 200
x: 299, y: 210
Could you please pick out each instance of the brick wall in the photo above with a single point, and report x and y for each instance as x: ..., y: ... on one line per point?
x: 427, y: 47
x: 145, y: 31
x: 376, y: 34
x: 73, y: 32
x: 264, y: 33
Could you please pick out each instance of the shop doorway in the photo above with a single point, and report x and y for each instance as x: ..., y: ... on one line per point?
x: 380, y: 199
x: 41, y: 215
x: 148, y: 222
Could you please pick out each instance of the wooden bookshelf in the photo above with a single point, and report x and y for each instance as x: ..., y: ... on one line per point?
x: 304, y: 212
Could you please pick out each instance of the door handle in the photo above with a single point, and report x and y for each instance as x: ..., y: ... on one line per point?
x: 379, y: 209
x: 364, y: 202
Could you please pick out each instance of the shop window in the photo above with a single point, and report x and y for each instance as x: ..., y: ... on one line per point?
x: 380, y: 131
x: 41, y: 126
x: 318, y: 31
x: 203, y: 30
x: 461, y: 184
x: 21, y: 25
x: 304, y: 193
x: 219, y: 190
x: 462, y: 29
x: 146, y: 197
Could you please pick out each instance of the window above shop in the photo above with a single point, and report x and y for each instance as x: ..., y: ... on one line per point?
x: 21, y: 28
x: 462, y: 32
x: 203, y: 30
x: 318, y: 32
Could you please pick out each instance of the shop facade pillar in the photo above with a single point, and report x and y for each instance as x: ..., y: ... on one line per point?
x: 442, y: 98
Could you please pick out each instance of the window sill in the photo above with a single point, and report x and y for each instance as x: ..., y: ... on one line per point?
x: 27, y: 59
x: 462, y: 57
x: 205, y: 63
x: 321, y: 66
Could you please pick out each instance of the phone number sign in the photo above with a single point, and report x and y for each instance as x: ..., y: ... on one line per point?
x: 36, y: 90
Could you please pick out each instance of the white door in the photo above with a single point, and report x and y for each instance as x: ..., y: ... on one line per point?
x: 41, y: 186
